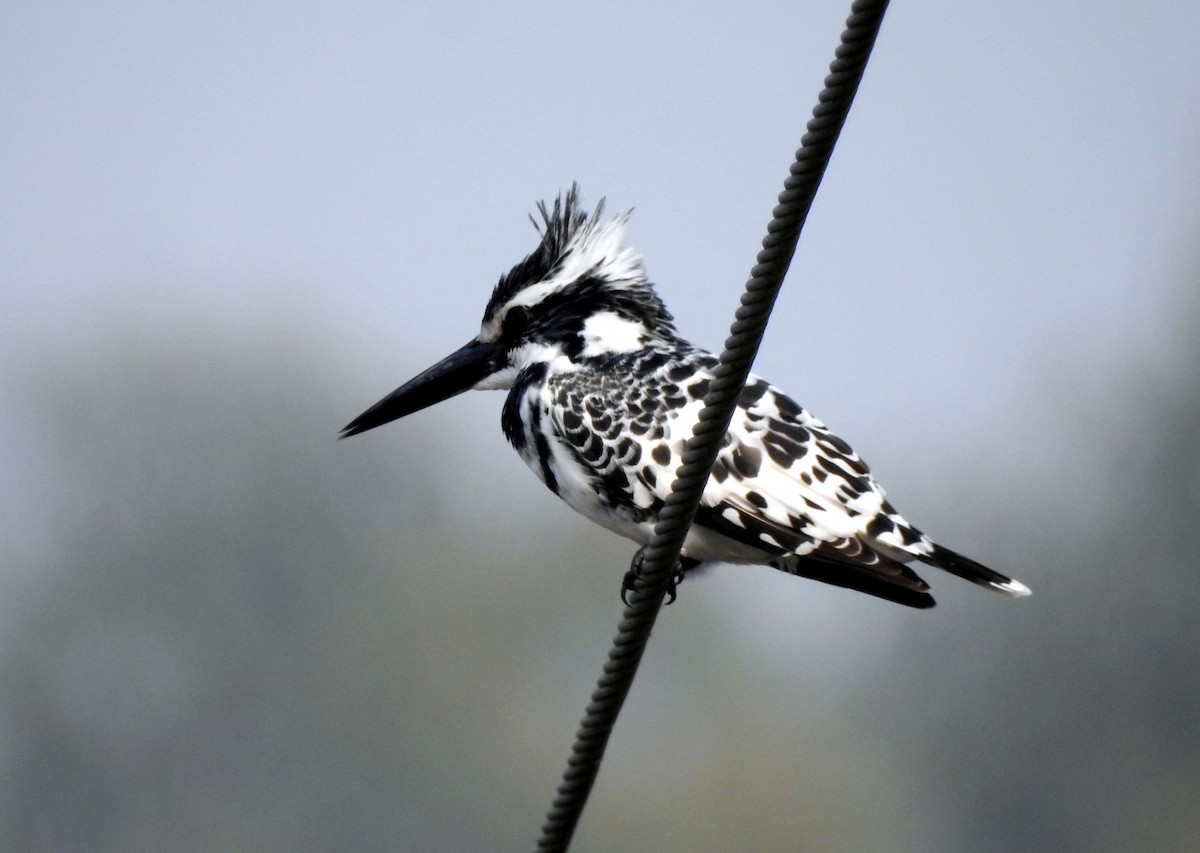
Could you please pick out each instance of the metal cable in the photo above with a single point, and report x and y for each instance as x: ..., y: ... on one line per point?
x: 661, y: 556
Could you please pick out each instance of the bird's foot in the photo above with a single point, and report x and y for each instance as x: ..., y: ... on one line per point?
x: 633, y: 577
x: 630, y: 582
x: 676, y: 580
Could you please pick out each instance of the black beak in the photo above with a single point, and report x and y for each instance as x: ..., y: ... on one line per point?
x: 452, y: 375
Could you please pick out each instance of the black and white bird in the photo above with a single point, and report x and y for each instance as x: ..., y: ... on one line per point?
x: 603, y: 393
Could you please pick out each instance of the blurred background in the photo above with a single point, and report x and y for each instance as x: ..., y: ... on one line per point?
x: 226, y: 229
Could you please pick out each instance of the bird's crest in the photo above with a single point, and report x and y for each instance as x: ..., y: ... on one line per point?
x: 581, y: 264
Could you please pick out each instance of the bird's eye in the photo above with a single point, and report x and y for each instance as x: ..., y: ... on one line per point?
x: 516, y: 321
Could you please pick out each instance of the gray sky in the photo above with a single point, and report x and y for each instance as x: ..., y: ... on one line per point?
x: 1012, y: 193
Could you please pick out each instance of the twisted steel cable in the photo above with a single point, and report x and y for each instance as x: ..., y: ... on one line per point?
x: 660, y: 557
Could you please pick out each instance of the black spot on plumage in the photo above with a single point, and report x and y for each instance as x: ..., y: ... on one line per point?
x: 592, y: 450
x: 756, y: 499
x: 753, y: 392
x: 699, y: 389
x: 813, y: 504
x: 830, y: 440
x: 654, y: 360
x: 910, y: 536
x: 879, y: 525
x: 777, y: 456
x: 794, y: 431
x: 675, y: 401
x: 661, y: 454
x: 858, y: 465
x: 650, y: 477
x: 788, y: 407
x: 806, y: 478
x: 679, y: 372
x: 854, y: 482
x: 829, y: 465
x: 601, y: 423
x: 747, y: 460
x: 857, y: 484
x: 782, y: 450
x: 572, y: 421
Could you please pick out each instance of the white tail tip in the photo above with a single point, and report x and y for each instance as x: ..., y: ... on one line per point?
x: 1014, y: 588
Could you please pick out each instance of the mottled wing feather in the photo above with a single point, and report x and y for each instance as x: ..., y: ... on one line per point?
x: 786, y: 466
x: 785, y: 485
x: 803, y: 553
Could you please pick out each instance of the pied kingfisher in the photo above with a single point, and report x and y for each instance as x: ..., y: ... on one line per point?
x: 603, y: 393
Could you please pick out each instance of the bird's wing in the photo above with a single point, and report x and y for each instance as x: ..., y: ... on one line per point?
x: 784, y: 482
x: 782, y: 464
x: 783, y: 477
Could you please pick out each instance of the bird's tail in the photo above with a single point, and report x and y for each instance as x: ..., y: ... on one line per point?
x: 901, y: 586
x: 965, y: 567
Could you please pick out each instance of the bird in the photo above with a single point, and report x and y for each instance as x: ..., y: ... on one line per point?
x: 602, y: 394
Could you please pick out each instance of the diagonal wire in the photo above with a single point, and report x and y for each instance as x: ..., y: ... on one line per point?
x: 660, y: 557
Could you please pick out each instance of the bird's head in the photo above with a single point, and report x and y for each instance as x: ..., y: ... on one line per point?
x: 581, y: 293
